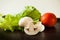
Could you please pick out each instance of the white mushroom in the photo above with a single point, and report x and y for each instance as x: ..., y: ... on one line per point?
x: 31, y: 29
x: 24, y: 21
x: 41, y: 27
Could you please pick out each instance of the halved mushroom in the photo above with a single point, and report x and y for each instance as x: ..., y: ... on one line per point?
x: 40, y: 26
x: 31, y: 29
x: 24, y: 21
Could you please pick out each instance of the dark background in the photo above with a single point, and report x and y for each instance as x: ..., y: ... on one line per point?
x: 48, y: 34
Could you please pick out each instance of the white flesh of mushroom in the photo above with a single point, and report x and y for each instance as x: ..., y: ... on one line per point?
x: 41, y: 27
x: 31, y: 29
x: 24, y: 21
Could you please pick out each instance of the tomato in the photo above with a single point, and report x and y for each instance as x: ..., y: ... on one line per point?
x: 48, y: 19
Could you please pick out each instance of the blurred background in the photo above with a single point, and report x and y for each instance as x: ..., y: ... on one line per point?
x: 16, y: 6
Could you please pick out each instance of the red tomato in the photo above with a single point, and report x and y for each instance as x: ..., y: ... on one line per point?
x: 48, y: 19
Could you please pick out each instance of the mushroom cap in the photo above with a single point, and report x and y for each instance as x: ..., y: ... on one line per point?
x: 24, y: 21
x: 31, y: 29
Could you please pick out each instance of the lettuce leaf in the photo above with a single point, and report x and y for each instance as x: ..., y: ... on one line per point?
x: 32, y: 12
x: 10, y: 23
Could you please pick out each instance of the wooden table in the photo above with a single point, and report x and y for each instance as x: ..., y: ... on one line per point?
x: 48, y: 34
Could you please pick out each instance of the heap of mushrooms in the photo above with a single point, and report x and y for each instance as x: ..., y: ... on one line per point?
x: 29, y: 27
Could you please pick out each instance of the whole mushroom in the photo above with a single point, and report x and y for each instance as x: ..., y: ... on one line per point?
x: 24, y: 21
x: 31, y: 27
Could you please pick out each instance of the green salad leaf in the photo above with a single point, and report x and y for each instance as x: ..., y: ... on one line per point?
x: 10, y: 23
x: 32, y: 12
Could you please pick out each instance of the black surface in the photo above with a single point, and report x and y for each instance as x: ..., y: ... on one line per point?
x: 48, y: 34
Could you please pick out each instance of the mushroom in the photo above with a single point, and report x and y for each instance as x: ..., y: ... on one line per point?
x: 24, y: 21
x: 31, y: 29
x: 40, y: 26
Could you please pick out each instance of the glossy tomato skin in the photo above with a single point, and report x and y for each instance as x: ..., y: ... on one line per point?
x: 48, y: 19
